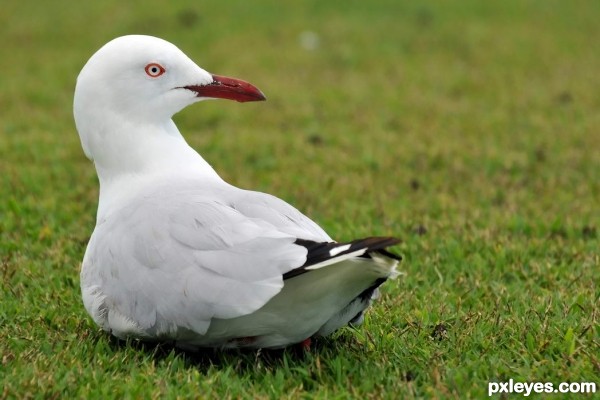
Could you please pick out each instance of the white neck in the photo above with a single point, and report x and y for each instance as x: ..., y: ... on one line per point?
x: 131, y: 155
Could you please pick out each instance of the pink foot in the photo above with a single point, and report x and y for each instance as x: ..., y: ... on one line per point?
x: 306, y: 344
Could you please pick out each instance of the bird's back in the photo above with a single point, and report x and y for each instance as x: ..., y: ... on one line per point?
x: 206, y: 265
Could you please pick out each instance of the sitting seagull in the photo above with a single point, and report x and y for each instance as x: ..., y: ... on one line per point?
x: 177, y: 253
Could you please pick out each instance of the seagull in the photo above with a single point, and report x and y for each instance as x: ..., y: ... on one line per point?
x: 179, y: 255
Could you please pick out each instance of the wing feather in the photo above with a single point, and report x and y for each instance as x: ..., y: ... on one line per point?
x: 167, y: 262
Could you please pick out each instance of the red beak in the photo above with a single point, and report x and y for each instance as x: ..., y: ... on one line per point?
x: 223, y: 87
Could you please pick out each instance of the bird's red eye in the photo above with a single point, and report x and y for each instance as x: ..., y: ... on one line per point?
x: 154, y: 70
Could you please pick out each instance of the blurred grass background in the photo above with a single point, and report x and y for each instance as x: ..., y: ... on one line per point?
x: 469, y: 129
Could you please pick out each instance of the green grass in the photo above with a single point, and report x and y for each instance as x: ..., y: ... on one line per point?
x: 469, y: 129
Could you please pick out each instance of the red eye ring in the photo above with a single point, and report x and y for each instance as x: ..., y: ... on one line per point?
x: 154, y: 70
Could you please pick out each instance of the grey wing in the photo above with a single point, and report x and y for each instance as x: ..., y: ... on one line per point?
x: 178, y: 262
x: 280, y: 214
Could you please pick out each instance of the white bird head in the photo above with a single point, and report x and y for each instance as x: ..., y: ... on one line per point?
x: 144, y: 80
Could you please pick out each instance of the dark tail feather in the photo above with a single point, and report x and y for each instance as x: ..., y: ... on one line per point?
x: 319, y: 252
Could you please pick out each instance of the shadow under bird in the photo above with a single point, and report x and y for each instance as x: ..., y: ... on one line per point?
x: 177, y: 253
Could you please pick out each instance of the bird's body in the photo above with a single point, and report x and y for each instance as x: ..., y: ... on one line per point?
x: 177, y: 253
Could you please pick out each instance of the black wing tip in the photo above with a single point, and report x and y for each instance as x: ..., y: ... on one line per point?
x: 378, y: 244
x: 370, y: 243
x: 321, y: 251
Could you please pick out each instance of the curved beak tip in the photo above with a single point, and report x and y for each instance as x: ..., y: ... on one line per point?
x: 223, y: 87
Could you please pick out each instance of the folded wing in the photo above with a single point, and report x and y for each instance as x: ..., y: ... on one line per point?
x: 192, y: 259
